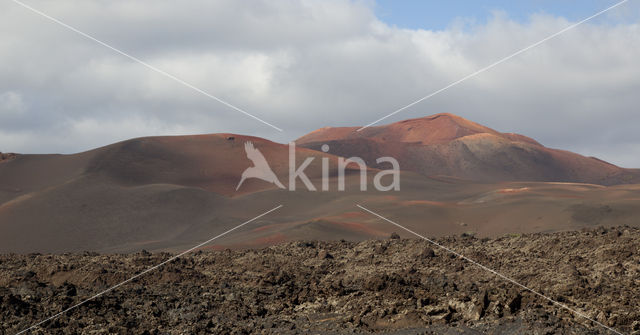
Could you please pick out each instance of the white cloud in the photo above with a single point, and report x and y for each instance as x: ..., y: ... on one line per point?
x: 302, y: 65
x: 11, y: 103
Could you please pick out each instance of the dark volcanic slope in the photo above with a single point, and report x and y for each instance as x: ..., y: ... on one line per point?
x: 148, y: 191
x: 211, y: 162
x: 445, y: 144
x: 404, y: 286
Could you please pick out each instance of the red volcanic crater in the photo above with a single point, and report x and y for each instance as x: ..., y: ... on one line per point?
x: 449, y: 145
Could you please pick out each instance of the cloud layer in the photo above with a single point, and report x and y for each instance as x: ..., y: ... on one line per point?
x: 305, y: 65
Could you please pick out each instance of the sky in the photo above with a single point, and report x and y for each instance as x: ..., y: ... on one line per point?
x: 303, y: 65
x: 440, y: 15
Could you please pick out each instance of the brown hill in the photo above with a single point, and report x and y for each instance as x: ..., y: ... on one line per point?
x: 155, y: 192
x: 171, y: 193
x: 448, y: 145
x: 212, y: 162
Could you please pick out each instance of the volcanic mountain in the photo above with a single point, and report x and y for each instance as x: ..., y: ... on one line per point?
x: 137, y: 192
x: 174, y: 192
x: 449, y: 145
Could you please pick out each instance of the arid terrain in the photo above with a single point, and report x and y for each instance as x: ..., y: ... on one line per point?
x: 557, y: 222
x: 166, y: 193
x: 391, y: 286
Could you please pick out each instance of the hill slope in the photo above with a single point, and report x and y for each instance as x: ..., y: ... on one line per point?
x: 153, y: 192
x: 445, y: 144
x: 171, y: 193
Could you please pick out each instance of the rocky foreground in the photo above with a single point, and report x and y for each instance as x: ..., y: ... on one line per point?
x: 393, y: 286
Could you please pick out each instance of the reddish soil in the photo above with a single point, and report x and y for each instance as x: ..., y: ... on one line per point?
x: 448, y: 145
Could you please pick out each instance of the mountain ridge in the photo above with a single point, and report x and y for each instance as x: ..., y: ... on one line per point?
x: 449, y: 145
x: 169, y: 192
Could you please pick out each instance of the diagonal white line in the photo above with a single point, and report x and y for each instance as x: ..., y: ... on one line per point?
x: 146, y: 271
x: 494, y: 64
x: 493, y: 271
x: 162, y: 72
